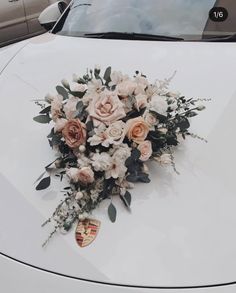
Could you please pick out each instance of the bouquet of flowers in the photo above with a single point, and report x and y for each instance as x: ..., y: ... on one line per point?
x: 105, y: 129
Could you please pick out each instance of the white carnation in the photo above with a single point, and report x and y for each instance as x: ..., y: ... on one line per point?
x: 101, y: 162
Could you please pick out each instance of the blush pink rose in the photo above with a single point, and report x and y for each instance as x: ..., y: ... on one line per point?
x: 74, y: 133
x: 137, y: 129
x: 145, y: 149
x: 86, y: 175
x: 106, y: 108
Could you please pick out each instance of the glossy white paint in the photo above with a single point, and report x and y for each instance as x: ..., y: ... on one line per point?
x: 181, y: 229
x: 9, y: 52
x: 28, y: 280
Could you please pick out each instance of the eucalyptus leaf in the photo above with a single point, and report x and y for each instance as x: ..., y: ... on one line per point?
x: 132, y: 178
x: 80, y: 106
x: 135, y: 154
x: 112, y: 212
x: 78, y: 94
x: 143, y: 177
x: 50, y: 135
x: 183, y: 123
x: 107, y: 75
x: 42, y: 119
x: 46, y: 110
x: 126, y: 198
x: 89, y: 126
x: 62, y: 91
x: 44, y: 183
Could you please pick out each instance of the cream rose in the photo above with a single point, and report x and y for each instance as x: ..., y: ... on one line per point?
x: 74, y: 133
x: 86, y: 175
x: 115, y: 133
x: 137, y: 129
x: 106, y: 108
x: 145, y: 149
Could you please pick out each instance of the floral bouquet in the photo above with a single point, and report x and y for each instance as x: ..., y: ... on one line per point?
x: 104, y: 131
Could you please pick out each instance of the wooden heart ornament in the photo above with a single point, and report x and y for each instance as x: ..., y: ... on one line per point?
x: 86, y: 231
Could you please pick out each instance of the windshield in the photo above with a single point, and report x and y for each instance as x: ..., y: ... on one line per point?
x: 188, y: 19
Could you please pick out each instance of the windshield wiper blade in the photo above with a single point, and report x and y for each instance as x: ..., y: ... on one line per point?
x: 131, y: 36
x: 229, y: 38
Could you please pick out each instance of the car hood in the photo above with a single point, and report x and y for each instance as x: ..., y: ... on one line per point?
x: 181, y: 228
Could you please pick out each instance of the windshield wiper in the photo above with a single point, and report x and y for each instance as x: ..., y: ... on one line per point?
x: 229, y: 38
x: 131, y: 36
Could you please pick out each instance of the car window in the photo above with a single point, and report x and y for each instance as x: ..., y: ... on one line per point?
x: 180, y: 18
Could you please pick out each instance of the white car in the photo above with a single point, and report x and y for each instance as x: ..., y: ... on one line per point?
x: 180, y: 236
x: 19, y: 19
